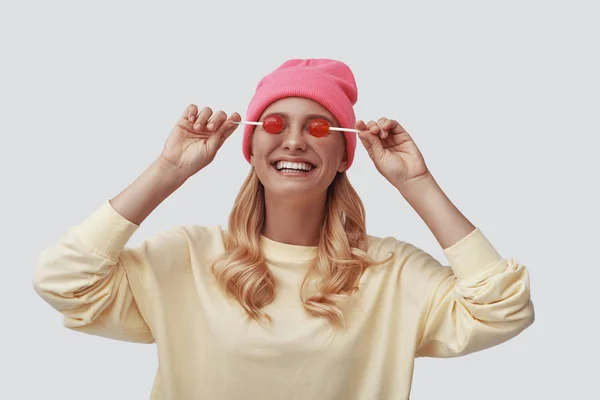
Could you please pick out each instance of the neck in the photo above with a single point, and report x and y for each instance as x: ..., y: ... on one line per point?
x: 293, y: 221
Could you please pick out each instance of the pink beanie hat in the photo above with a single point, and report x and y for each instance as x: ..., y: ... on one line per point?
x: 328, y: 82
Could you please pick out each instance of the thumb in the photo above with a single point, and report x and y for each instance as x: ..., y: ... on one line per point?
x: 371, y: 142
x: 231, y: 125
x: 216, y: 140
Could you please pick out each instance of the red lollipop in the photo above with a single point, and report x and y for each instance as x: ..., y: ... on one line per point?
x: 318, y: 128
x: 273, y: 124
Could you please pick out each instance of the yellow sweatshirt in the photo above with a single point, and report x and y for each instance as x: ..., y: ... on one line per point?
x: 162, y: 292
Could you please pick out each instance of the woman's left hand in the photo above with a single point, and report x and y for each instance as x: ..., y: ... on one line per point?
x: 393, y: 151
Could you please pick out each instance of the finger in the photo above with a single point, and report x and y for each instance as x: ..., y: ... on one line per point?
x: 215, y: 122
x: 373, y: 127
x: 390, y: 125
x: 190, y: 113
x: 381, y: 122
x: 398, y: 129
x: 372, y: 144
x: 203, y: 117
x: 361, y: 126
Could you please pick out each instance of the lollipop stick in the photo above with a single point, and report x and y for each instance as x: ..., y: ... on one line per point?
x: 248, y: 123
x: 344, y: 129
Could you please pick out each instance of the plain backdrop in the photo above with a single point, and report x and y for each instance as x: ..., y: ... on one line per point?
x: 502, y: 98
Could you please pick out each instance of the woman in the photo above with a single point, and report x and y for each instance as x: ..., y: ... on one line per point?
x: 294, y: 300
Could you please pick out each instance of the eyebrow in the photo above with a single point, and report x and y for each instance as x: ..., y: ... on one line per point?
x: 306, y: 117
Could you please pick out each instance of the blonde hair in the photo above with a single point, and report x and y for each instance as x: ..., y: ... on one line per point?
x: 340, y: 261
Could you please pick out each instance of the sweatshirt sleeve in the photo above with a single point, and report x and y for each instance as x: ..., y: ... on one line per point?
x: 480, y: 300
x: 97, y: 283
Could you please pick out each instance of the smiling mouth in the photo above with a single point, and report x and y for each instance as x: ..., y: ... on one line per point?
x: 295, y: 168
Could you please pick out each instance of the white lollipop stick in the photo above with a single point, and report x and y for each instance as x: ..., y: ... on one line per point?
x: 343, y: 129
x: 248, y: 123
x: 331, y: 128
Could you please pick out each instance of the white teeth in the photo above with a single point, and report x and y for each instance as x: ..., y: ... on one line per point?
x: 299, y: 166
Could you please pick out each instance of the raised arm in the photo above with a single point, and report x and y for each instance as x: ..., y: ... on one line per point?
x: 480, y: 299
x: 90, y: 276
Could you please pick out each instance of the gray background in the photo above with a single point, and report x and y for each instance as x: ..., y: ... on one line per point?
x: 501, y: 98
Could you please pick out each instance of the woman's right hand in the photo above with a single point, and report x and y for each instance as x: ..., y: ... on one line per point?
x: 196, y: 138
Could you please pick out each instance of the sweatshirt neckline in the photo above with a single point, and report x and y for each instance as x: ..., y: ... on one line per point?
x: 285, y: 251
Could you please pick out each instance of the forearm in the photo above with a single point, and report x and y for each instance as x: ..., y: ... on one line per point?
x: 441, y: 216
x: 146, y: 193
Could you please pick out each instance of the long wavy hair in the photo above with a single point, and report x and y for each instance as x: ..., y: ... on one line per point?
x: 340, y: 261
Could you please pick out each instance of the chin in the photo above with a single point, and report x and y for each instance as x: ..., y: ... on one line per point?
x: 294, y: 188
x: 295, y: 185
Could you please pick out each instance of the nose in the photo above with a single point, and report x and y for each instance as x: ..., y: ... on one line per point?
x: 294, y: 140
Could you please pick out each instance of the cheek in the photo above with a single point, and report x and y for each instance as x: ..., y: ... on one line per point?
x: 262, y: 146
x: 255, y: 147
x: 335, y: 151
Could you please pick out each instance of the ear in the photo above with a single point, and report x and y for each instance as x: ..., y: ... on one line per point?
x: 252, y: 148
x: 343, y: 163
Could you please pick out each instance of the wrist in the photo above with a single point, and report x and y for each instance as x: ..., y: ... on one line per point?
x: 422, y: 193
x: 152, y: 187
x: 169, y: 175
x: 441, y: 216
x: 417, y: 183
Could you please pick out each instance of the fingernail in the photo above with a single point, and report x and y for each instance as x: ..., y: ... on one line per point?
x: 191, y: 117
x: 210, y: 127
